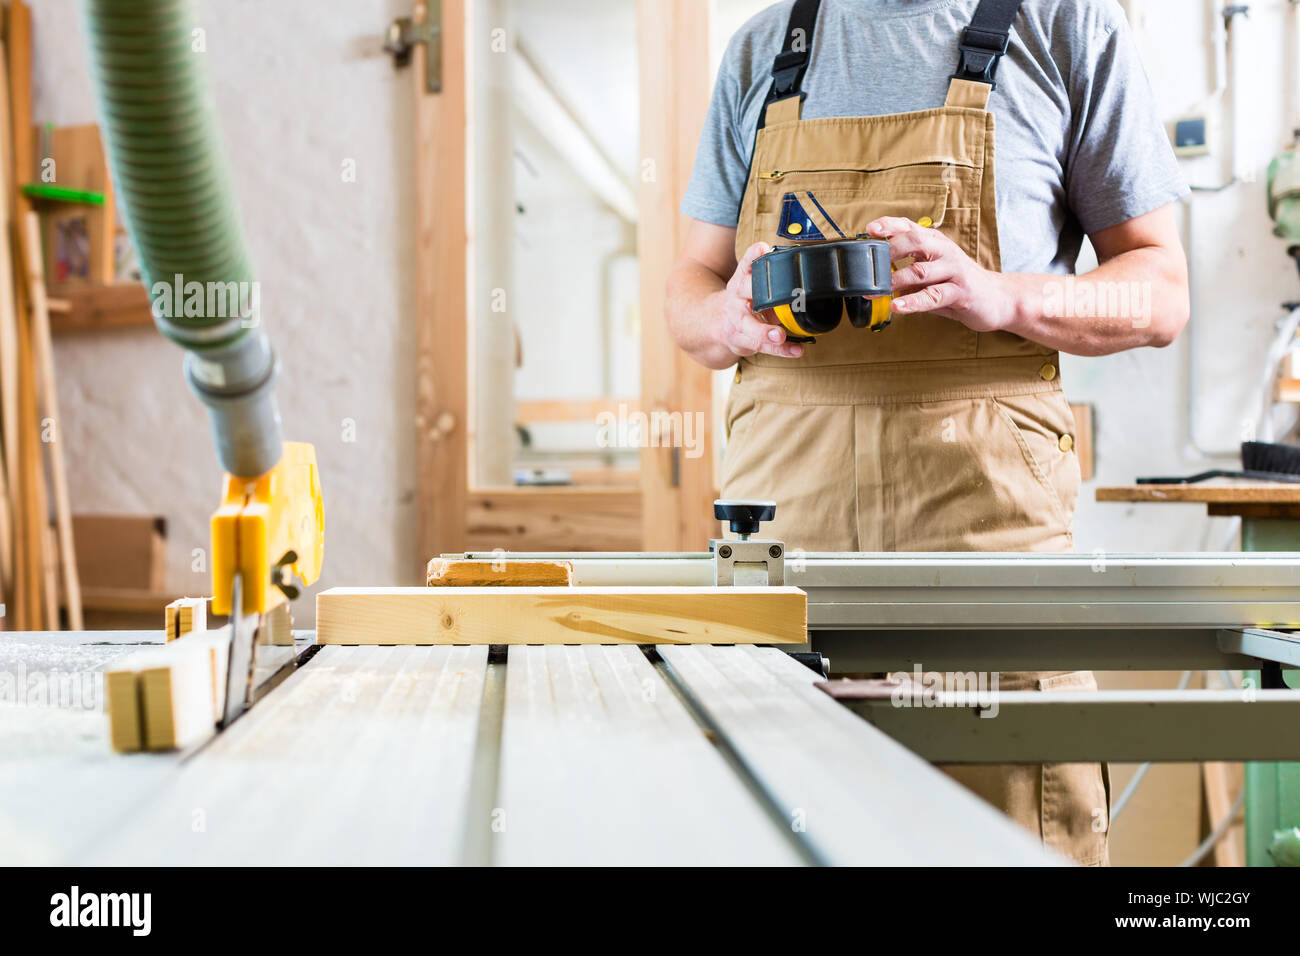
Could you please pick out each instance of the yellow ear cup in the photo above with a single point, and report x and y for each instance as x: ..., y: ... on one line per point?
x: 785, y: 315
x: 880, y: 314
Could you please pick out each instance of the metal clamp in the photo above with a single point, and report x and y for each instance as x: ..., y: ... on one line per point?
x: 748, y: 561
x: 405, y: 33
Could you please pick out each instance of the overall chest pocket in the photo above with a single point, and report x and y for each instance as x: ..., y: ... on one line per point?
x: 817, y: 204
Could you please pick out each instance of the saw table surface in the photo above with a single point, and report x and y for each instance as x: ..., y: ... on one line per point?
x: 454, y: 755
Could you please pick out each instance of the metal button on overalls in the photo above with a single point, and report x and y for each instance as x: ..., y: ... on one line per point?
x: 925, y: 436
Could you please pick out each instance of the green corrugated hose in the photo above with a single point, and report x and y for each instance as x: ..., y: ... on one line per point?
x: 173, y: 185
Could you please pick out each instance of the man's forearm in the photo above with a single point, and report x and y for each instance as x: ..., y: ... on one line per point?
x: 691, y: 310
x: 1138, y: 298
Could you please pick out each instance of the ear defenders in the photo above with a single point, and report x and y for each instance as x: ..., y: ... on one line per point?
x: 809, y: 288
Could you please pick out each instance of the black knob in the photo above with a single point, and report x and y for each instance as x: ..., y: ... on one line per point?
x: 744, y: 516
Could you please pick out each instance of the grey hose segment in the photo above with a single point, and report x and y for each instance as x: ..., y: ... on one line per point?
x: 170, y: 174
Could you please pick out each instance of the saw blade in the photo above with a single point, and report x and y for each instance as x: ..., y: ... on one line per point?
x: 243, y: 655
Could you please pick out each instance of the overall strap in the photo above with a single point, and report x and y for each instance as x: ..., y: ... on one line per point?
x: 982, y: 45
x: 785, y: 98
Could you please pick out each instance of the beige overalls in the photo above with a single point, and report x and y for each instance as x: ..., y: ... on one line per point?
x: 924, y: 436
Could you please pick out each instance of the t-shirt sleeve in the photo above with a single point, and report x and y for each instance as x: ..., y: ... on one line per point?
x: 721, y: 169
x: 1120, y: 164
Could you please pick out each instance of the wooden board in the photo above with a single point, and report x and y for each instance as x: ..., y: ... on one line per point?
x: 646, y: 615
x: 43, y: 351
x: 125, y: 729
x: 364, y: 756
x: 1238, y: 492
x: 453, y: 572
x: 856, y: 796
x: 29, y: 514
x: 594, y: 739
x: 557, y: 519
x: 184, y: 615
x: 168, y: 697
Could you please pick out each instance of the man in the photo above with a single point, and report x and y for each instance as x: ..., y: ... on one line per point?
x: 948, y: 430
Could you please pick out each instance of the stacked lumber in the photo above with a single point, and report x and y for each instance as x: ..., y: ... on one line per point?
x: 38, y: 568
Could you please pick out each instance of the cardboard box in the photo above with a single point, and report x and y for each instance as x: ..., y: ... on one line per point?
x: 121, y: 551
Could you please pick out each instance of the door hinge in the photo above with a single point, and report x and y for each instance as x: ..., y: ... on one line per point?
x: 405, y: 33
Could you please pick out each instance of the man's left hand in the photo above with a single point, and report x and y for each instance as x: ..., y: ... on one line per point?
x: 944, y: 280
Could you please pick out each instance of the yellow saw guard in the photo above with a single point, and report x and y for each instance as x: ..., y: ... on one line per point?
x: 265, y: 525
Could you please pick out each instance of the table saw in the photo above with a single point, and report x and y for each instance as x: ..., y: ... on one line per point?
x: 673, y: 753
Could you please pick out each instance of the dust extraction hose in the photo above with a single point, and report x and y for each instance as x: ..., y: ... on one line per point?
x: 169, y: 172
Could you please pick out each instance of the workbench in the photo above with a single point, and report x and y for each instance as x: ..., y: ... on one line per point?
x: 1270, y: 522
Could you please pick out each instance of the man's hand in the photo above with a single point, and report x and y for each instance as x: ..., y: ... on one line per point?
x: 944, y: 280
x: 739, y: 330
x: 709, y: 315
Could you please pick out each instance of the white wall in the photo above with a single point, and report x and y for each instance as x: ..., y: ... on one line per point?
x: 300, y: 88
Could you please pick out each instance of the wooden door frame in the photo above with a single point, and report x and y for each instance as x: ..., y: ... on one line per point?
x: 672, y: 505
x: 673, y: 54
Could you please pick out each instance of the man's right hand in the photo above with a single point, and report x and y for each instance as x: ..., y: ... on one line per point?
x: 739, y: 330
x: 711, y: 317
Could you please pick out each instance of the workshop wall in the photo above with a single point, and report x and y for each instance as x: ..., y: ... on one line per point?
x: 1241, y: 276
x: 304, y: 96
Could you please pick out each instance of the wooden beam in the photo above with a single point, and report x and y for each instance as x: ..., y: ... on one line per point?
x: 168, y: 697
x: 29, y: 490
x: 9, y: 413
x: 673, y: 37
x: 573, y: 409
x: 664, y: 615
x: 43, y: 352
x: 457, y: 573
x: 555, y: 519
x: 185, y: 615
x: 442, y: 345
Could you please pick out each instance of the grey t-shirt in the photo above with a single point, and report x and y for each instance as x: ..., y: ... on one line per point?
x: 1079, y: 144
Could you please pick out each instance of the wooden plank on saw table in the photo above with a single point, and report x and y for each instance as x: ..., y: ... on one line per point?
x: 602, y: 765
x: 589, y: 615
x: 856, y: 796
x: 362, y: 756
x: 459, y: 572
x: 168, y: 697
